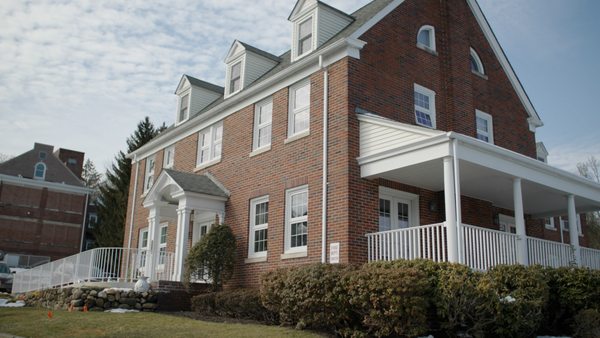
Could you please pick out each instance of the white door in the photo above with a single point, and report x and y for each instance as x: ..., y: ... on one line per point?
x: 200, y: 229
x: 507, y: 223
x: 394, y: 213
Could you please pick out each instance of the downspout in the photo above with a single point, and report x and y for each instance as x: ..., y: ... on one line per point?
x: 325, y: 158
x: 137, y: 170
x: 457, y: 197
x: 87, y: 198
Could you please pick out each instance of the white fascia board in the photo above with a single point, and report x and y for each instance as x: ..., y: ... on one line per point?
x: 388, y: 123
x: 27, y: 182
x: 530, y: 169
x: 299, y: 70
x: 535, y: 120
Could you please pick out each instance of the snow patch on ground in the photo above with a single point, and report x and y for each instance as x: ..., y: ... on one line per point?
x: 120, y: 311
x: 5, y: 303
x: 118, y: 289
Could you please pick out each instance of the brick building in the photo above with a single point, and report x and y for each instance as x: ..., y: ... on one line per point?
x: 42, y: 203
x: 397, y: 131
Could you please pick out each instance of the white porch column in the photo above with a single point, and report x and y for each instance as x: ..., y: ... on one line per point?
x: 450, y: 207
x: 153, y: 234
x: 522, y: 254
x: 181, y: 243
x: 573, y: 231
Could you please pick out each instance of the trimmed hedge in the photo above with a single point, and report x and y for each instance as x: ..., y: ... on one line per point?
x: 241, y: 303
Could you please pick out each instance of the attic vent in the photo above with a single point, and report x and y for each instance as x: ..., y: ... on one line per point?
x: 42, y: 155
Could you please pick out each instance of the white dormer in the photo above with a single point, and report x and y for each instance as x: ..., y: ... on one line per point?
x: 314, y: 23
x: 541, y: 152
x: 193, y: 95
x: 245, y: 64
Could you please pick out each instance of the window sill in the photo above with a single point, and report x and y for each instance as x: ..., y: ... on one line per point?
x: 251, y: 260
x: 551, y: 228
x: 297, y: 137
x: 207, y: 164
x: 483, y: 76
x: 260, y: 151
x: 297, y: 254
x: 427, y: 49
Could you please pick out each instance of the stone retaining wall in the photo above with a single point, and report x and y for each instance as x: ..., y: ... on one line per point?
x: 95, y: 299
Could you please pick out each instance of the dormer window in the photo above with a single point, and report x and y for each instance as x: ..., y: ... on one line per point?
x: 184, y: 108
x: 305, y: 37
x: 39, y: 172
x: 236, y: 78
x: 426, y: 38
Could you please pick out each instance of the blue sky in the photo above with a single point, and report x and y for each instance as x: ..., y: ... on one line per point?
x: 80, y: 74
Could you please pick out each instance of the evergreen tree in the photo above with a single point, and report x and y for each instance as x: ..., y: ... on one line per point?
x: 114, y: 191
x: 91, y: 178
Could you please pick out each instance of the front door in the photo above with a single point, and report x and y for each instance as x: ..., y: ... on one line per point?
x: 507, y: 223
x: 394, y: 213
x: 200, y: 229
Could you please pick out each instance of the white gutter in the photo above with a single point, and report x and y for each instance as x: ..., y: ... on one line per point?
x: 137, y: 170
x: 87, y: 198
x: 325, y: 159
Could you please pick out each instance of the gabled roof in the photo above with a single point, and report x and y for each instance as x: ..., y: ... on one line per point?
x: 199, y: 83
x: 200, y: 184
x: 56, y: 171
x: 303, y: 5
x: 237, y: 43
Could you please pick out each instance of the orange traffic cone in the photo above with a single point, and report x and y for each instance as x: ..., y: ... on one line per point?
x: 50, y: 314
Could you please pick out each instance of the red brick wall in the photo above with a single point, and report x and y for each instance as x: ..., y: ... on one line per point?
x: 35, y: 221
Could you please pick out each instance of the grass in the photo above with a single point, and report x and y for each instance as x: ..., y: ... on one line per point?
x: 34, y: 322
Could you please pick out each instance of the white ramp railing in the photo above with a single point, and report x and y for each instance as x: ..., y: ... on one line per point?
x: 427, y: 242
x: 590, y: 258
x: 96, y: 265
x: 486, y: 248
x: 549, y: 253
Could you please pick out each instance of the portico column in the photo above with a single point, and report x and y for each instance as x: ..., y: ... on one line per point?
x: 181, y: 243
x: 450, y: 207
x: 573, y: 231
x: 522, y: 255
x: 153, y: 233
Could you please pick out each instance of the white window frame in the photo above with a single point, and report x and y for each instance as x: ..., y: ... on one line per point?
x: 241, y: 61
x: 288, y: 219
x: 431, y: 31
x: 431, y: 111
x: 293, y: 112
x: 258, y: 126
x: 564, y: 221
x: 296, y: 55
x: 149, y: 176
x: 396, y: 196
x: 180, y: 103
x: 143, y: 247
x: 210, y: 147
x: 477, y: 59
x: 169, y: 157
x: 162, y: 257
x: 254, y: 227
x: 490, y: 124
x: 35, y: 169
x: 550, y: 225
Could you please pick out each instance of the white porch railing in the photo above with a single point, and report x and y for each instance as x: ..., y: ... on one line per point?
x: 549, y: 253
x: 590, y: 258
x: 486, y: 248
x: 96, y: 265
x: 427, y: 241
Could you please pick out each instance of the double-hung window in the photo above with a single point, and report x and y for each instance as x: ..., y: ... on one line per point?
x: 149, y: 181
x: 299, y: 111
x: 262, y: 124
x: 305, y: 36
x: 296, y: 220
x: 184, y: 108
x: 169, y: 157
x: 485, y: 126
x: 425, y: 107
x: 259, y: 224
x: 235, y: 82
x: 210, y: 142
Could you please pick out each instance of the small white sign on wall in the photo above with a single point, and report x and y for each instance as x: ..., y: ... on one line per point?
x: 334, y: 253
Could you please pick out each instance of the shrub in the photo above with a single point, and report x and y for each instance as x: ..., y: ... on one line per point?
x: 514, y: 298
x: 390, y: 300
x: 587, y: 324
x: 242, y: 303
x: 213, y: 258
x: 204, y: 304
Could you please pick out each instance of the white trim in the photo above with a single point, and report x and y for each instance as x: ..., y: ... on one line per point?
x: 549, y: 226
x: 188, y: 92
x: 431, y: 32
x: 29, y: 182
x: 242, y: 62
x: 162, y: 245
x: 293, y: 112
x: 258, y: 109
x: 288, y: 219
x: 309, y: 15
x: 431, y: 111
x: 509, y: 220
x: 396, y: 196
x: 253, y: 227
x: 169, y: 160
x: 297, y: 137
x: 149, y: 173
x: 35, y: 169
x: 478, y: 63
x: 260, y: 151
x: 490, y: 126
x: 292, y: 255
x: 209, y: 147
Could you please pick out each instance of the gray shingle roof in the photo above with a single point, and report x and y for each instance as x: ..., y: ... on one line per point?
x: 260, y: 52
x: 205, y: 85
x: 201, y: 184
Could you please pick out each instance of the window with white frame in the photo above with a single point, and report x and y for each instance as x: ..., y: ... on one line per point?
x: 397, y: 209
x: 549, y: 223
x: 424, y: 106
x: 296, y: 220
x: 184, y: 108
x: 263, y: 113
x: 169, y: 157
x: 305, y: 37
x: 476, y: 64
x: 564, y: 223
x: 426, y: 38
x: 162, y: 244
x: 39, y: 171
x: 299, y: 110
x: 235, y: 80
x: 259, y: 224
x: 143, y: 245
x: 210, y: 144
x: 485, y: 126
x: 149, y: 178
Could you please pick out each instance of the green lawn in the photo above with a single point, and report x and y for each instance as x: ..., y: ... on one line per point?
x: 34, y: 322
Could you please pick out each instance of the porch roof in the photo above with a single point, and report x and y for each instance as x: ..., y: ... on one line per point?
x: 414, y: 155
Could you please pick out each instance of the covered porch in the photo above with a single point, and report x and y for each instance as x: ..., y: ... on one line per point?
x: 460, y: 166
